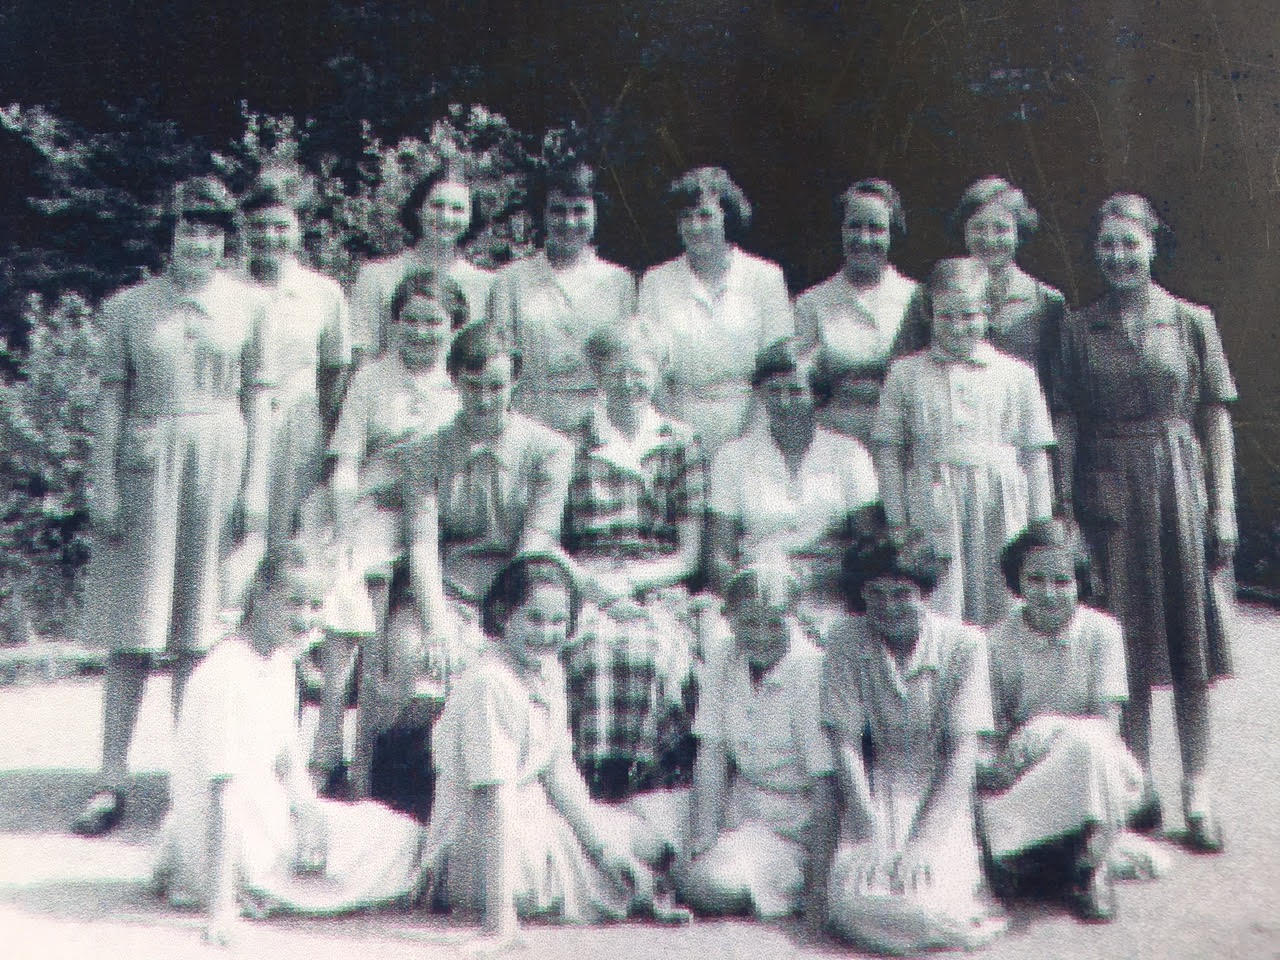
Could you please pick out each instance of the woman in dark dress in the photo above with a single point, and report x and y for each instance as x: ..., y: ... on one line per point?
x: 1141, y: 377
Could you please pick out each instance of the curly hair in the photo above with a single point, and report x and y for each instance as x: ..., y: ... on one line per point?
x: 1136, y: 207
x: 474, y: 346
x: 880, y: 553
x: 712, y: 183
x: 432, y: 285
x: 410, y: 214
x: 880, y: 190
x: 995, y: 190
x: 1058, y: 533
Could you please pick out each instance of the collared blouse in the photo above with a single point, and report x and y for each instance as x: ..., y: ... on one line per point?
x: 863, y: 327
x: 305, y: 325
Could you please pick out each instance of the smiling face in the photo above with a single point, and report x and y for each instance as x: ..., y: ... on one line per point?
x: 960, y: 318
x: 446, y: 212
x: 198, y: 248
x: 865, y: 233
x: 272, y: 234
x: 539, y: 627
x: 701, y: 227
x: 1124, y: 250
x: 485, y: 394
x: 288, y: 611
x: 570, y: 222
x: 422, y: 331
x: 1048, y: 584
x: 991, y: 235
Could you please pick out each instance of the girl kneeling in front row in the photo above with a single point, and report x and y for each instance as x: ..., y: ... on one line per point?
x: 1066, y: 783
x: 513, y: 831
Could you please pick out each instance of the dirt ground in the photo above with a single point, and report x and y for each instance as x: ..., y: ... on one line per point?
x: 63, y: 896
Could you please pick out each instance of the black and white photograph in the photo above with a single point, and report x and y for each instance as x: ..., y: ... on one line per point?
x: 639, y: 479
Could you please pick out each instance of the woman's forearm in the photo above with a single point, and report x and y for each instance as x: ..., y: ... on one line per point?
x: 1219, y: 445
x: 855, y: 787
x: 710, y: 794
x: 1065, y: 430
x: 222, y: 866
x: 495, y: 810
x: 951, y: 785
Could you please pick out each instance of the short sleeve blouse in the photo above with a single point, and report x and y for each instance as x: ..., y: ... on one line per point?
x: 864, y: 327
x: 1168, y: 369
x: 375, y: 287
x: 1076, y: 672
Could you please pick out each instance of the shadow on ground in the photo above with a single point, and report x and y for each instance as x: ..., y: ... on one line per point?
x: 46, y: 801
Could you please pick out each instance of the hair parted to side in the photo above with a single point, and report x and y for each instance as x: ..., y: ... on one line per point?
x: 880, y: 190
x: 608, y: 345
x: 712, y: 183
x: 575, y: 178
x: 474, y: 346
x: 410, y: 215
x: 515, y: 583
x: 995, y: 190
x: 906, y: 554
x: 1136, y: 207
x: 433, y: 285
x: 1058, y: 533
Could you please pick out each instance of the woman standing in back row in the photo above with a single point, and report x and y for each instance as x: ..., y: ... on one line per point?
x: 713, y: 308
x: 1141, y: 385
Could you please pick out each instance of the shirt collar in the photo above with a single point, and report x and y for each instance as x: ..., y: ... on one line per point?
x: 615, y: 447
x: 1062, y: 638
x: 924, y: 657
x: 700, y: 290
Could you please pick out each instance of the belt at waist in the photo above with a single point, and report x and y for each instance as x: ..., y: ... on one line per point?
x: 980, y: 454
x: 1139, y: 427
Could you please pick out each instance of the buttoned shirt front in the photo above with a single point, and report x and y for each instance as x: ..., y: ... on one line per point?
x: 305, y: 325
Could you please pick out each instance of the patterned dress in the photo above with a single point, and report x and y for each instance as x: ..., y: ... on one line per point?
x: 630, y: 670
x: 185, y: 364
x: 1140, y: 491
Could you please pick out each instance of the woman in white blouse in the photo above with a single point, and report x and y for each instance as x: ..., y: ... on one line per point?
x: 713, y: 308
x: 550, y: 304
x: 867, y: 312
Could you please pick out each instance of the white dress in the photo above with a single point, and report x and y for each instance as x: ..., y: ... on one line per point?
x: 711, y: 338
x: 238, y: 724
x: 772, y: 735
x: 910, y: 714
x: 1054, y: 689
x: 798, y: 519
x: 305, y: 327
x: 961, y: 426
x: 376, y: 284
x: 500, y: 728
x: 549, y: 314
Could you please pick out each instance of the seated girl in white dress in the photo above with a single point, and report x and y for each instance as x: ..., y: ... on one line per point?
x: 763, y: 791
x: 904, y: 697
x: 245, y: 832
x: 513, y: 831
x: 1064, y: 782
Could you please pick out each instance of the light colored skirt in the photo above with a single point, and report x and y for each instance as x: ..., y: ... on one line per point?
x: 158, y: 585
x: 295, y: 455
x: 1087, y: 776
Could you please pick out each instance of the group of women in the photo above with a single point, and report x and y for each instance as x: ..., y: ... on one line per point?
x: 771, y: 606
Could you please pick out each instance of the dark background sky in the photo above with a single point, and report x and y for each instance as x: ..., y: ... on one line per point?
x: 1071, y: 100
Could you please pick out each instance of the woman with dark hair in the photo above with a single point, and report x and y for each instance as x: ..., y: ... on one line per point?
x: 904, y: 697
x: 788, y: 490
x: 305, y: 342
x: 487, y: 485
x: 1064, y: 784
x: 995, y: 219
x: 551, y: 302
x: 398, y: 397
x: 514, y: 833
x: 961, y: 443
x: 712, y: 308
x: 1142, y: 385
x: 868, y: 312
x: 437, y: 216
x: 182, y: 414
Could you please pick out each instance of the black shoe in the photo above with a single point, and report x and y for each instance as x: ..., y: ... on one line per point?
x: 100, y: 814
x: 1204, y: 829
x: 1148, y: 818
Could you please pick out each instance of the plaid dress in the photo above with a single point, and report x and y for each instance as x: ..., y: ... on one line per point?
x: 630, y: 670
